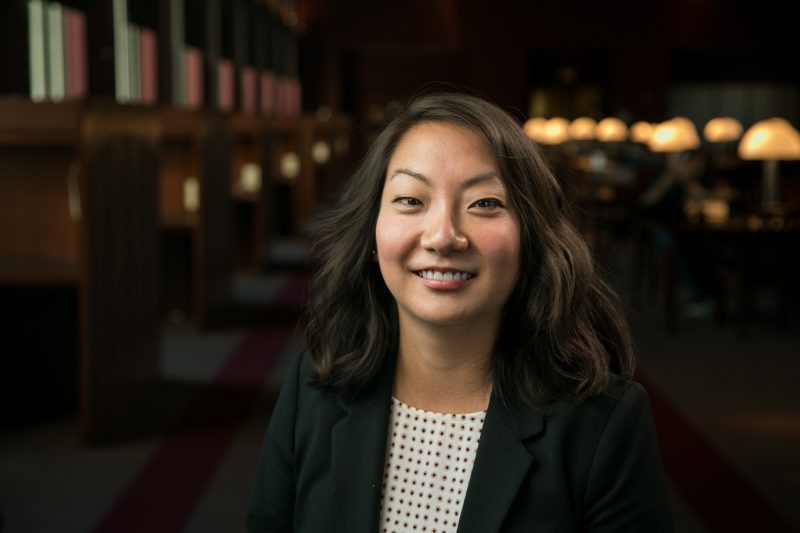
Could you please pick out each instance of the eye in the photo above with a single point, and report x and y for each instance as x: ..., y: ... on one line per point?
x: 408, y: 201
x: 488, y: 203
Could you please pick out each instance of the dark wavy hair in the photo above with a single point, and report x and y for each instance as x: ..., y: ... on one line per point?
x: 562, y: 334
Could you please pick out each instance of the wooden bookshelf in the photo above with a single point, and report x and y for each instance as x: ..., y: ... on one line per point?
x: 329, y: 135
x: 250, y: 158
x: 39, y: 192
x: 183, y: 133
x: 196, y: 148
x: 71, y: 216
x: 79, y: 236
x: 39, y: 259
x: 317, y: 180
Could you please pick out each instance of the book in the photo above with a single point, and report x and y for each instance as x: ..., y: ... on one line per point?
x: 56, y: 83
x: 134, y: 63
x: 122, y: 52
x: 37, y: 50
x: 267, y: 91
x: 225, y: 84
x: 75, y: 53
x: 295, y: 97
x: 177, y: 52
x: 281, y: 96
x: 248, y: 89
x: 193, y: 61
x: 148, y: 66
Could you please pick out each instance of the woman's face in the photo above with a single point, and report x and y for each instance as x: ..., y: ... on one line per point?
x: 448, y: 243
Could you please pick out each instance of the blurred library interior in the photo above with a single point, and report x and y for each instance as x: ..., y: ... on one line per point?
x: 162, y: 161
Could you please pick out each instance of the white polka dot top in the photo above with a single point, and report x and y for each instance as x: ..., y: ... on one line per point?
x: 429, y: 461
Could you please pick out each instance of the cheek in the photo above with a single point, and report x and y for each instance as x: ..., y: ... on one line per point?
x: 502, y: 244
x: 391, y: 237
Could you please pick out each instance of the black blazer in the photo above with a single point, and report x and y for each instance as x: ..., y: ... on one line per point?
x: 590, y: 468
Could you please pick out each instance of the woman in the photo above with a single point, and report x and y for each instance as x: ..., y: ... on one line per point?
x: 466, y: 368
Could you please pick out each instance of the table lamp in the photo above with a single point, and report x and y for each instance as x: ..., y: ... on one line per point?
x: 770, y: 140
x: 721, y: 133
x: 582, y: 129
x: 556, y: 131
x: 534, y: 127
x: 641, y: 132
x: 611, y: 129
x: 722, y: 129
x: 675, y: 135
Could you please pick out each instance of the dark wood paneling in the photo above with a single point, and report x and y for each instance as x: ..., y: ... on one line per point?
x: 119, y: 289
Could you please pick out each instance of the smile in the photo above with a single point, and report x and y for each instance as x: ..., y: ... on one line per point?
x: 436, y: 275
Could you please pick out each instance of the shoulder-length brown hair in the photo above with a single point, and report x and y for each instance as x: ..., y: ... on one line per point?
x: 562, y: 334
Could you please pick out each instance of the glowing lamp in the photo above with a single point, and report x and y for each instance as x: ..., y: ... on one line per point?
x: 641, y: 132
x: 321, y: 152
x: 611, y: 129
x: 191, y: 194
x: 675, y: 135
x: 722, y: 129
x: 556, y: 131
x: 290, y: 165
x: 770, y: 140
x: 582, y: 129
x: 534, y: 127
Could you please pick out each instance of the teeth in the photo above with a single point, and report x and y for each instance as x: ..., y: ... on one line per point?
x: 444, y: 276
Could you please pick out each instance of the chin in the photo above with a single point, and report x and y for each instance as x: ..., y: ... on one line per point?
x: 445, y: 319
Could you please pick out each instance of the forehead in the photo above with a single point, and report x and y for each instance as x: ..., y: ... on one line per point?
x: 442, y: 148
x: 432, y: 136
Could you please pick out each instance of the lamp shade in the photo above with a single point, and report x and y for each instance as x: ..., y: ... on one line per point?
x: 582, y: 129
x: 675, y: 135
x: 611, y: 129
x: 556, y: 131
x: 534, y: 127
x: 772, y: 139
x: 641, y: 132
x: 722, y: 129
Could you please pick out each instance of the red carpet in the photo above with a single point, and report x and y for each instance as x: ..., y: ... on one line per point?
x: 163, y: 494
x: 721, y: 498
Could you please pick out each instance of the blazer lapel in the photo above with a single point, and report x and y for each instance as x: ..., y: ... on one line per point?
x: 359, y: 455
x: 501, y: 464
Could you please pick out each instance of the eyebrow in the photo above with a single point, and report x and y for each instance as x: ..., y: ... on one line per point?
x: 480, y: 178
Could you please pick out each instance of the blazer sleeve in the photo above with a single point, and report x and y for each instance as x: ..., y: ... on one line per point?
x: 626, y: 488
x: 272, y: 502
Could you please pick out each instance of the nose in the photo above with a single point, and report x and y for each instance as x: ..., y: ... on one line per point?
x: 443, y: 232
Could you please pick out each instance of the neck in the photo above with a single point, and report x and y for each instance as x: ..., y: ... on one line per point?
x: 446, y: 370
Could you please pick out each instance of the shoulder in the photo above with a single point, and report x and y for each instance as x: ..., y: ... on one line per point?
x: 299, y: 380
x: 626, y: 484
x: 620, y: 395
x: 617, y: 413
x: 299, y: 401
x: 606, y: 451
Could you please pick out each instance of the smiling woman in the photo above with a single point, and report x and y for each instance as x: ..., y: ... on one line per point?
x: 456, y: 336
x: 447, y: 245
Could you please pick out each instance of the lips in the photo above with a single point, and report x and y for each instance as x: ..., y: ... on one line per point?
x: 444, y: 275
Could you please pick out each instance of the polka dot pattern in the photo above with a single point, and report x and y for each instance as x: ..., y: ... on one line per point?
x: 429, y: 461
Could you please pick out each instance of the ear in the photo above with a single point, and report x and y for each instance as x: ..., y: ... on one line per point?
x: 374, y: 255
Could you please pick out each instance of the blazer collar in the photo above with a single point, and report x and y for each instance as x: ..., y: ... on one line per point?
x: 359, y: 458
x: 501, y: 465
